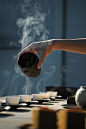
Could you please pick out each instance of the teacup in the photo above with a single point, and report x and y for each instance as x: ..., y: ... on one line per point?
x: 11, y: 100
x: 53, y: 93
x: 0, y: 103
x: 25, y: 98
x: 38, y: 96
x: 46, y: 95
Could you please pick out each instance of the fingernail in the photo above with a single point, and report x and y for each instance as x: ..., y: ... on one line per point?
x: 38, y: 66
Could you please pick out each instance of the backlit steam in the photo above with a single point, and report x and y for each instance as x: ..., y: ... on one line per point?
x: 7, y: 75
x: 47, y: 75
x: 32, y: 28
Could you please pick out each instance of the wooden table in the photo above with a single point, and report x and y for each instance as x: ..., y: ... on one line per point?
x: 13, y: 119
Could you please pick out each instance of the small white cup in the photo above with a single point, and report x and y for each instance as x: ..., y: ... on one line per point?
x: 38, y: 96
x: 52, y: 93
x: 11, y: 100
x: 46, y: 95
x: 0, y: 103
x: 25, y: 98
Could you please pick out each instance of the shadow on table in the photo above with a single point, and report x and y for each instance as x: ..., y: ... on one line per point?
x: 53, y: 102
x: 60, y: 99
x: 5, y: 115
x: 69, y: 106
x: 44, y: 104
x: 26, y: 126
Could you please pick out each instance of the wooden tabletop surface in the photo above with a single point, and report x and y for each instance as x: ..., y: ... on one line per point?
x: 13, y: 119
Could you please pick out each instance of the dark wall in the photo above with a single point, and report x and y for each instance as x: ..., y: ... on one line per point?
x: 15, y: 22
x: 76, y: 28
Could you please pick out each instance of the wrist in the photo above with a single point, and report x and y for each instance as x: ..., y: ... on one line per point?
x: 55, y: 44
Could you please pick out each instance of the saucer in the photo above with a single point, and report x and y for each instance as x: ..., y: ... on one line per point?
x: 28, y: 103
x: 44, y: 100
x: 11, y: 107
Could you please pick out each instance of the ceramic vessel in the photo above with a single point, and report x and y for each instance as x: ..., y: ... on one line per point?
x: 46, y: 95
x: 52, y: 93
x: 25, y: 98
x: 0, y: 103
x: 38, y: 96
x: 11, y: 100
x: 80, y: 97
x: 28, y: 64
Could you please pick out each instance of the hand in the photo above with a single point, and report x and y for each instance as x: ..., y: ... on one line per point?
x: 43, y: 48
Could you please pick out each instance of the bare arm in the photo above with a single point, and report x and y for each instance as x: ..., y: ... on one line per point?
x: 71, y: 45
x: 45, y: 48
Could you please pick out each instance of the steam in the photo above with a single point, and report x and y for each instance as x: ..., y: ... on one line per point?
x: 65, y: 69
x: 12, y: 43
x: 31, y: 28
x: 28, y: 86
x: 7, y: 75
x: 73, y: 60
x: 47, y: 75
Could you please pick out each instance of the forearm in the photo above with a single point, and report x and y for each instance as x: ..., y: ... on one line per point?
x: 70, y: 45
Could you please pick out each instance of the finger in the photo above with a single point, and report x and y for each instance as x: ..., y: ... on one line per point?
x: 41, y: 61
x: 40, y: 64
x: 42, y: 57
x: 34, y: 51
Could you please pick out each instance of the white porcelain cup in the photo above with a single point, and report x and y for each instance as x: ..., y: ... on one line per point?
x: 25, y: 98
x: 0, y: 103
x: 46, y: 95
x: 11, y: 100
x: 53, y: 93
x: 38, y: 96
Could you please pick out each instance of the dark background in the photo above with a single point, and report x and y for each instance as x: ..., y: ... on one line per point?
x: 64, y: 19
